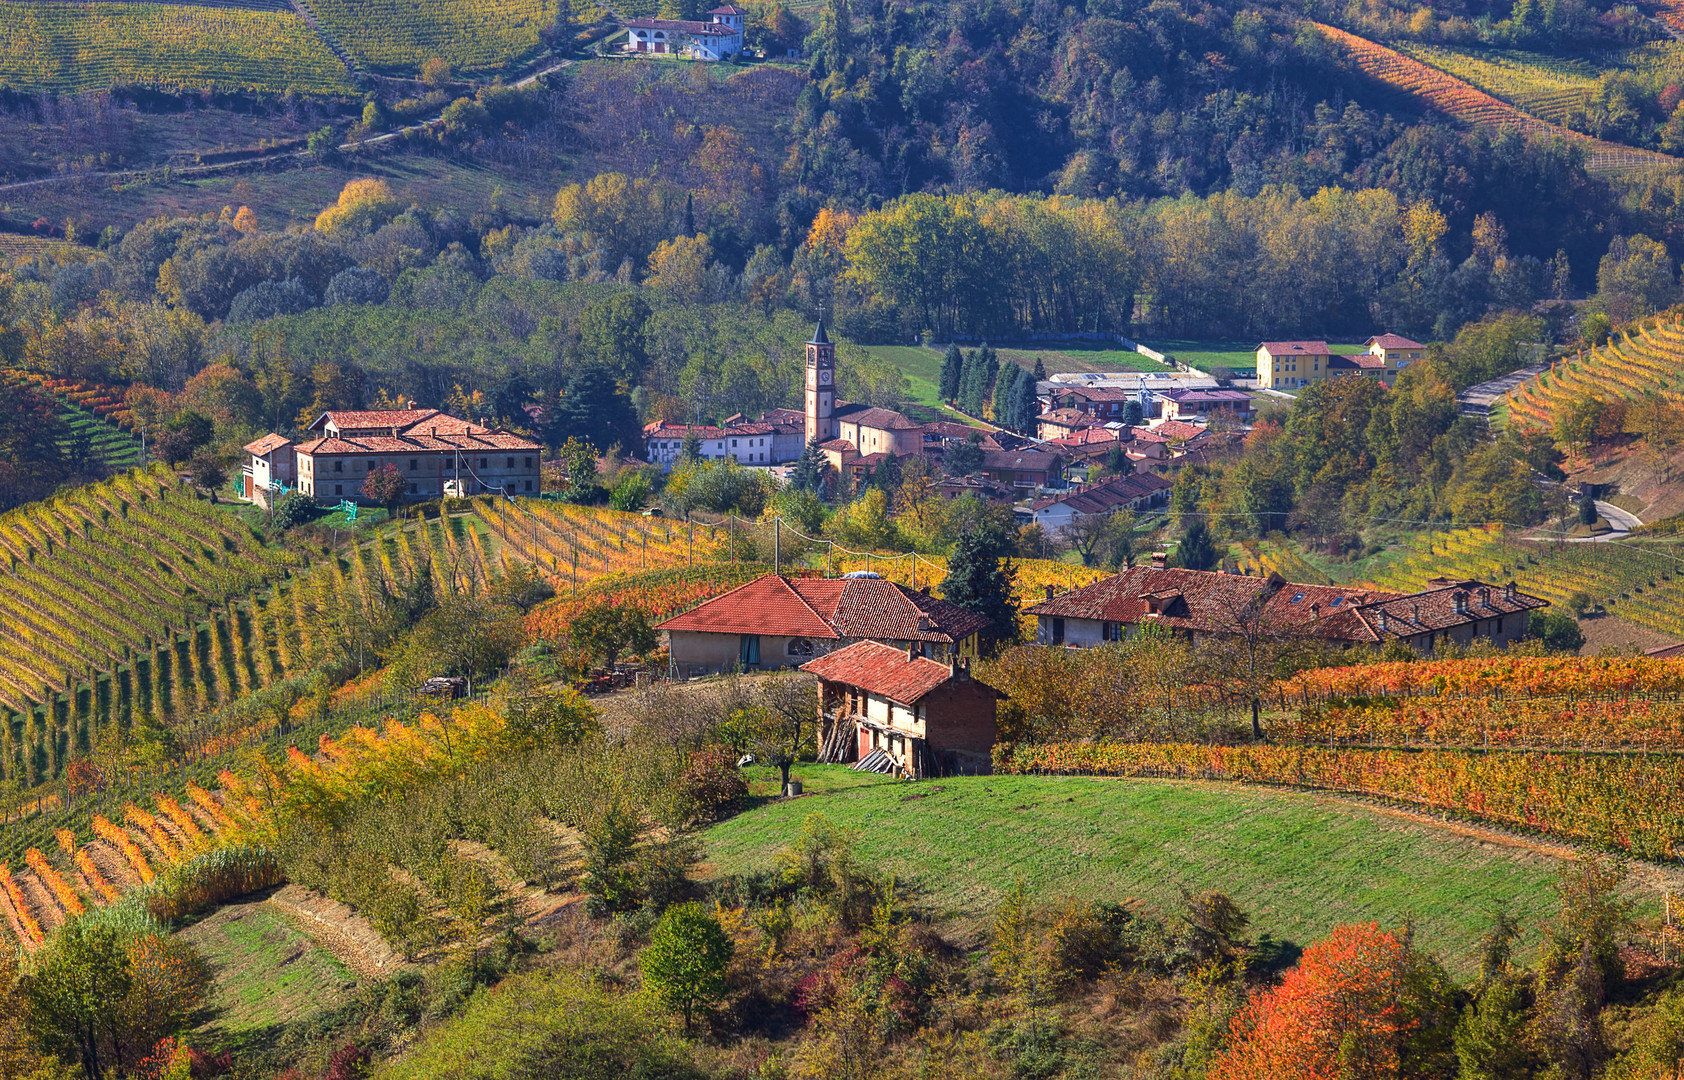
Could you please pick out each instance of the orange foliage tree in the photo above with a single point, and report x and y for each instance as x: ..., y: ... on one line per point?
x: 1361, y: 1003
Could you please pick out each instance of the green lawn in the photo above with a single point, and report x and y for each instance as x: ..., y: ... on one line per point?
x: 1300, y: 864
x: 1237, y: 355
x: 922, y: 367
x: 265, y: 973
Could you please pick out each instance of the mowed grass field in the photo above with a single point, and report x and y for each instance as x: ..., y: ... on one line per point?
x: 265, y: 973
x: 1237, y: 355
x: 1298, y: 863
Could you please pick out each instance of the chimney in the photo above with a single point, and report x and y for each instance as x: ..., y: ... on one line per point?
x: 1160, y: 560
x: 1051, y: 592
x: 1415, y: 614
x: 1509, y: 590
x: 410, y: 405
x: 912, y: 652
x: 1383, y: 621
x: 923, y: 624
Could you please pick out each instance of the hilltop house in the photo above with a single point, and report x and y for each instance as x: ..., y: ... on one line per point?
x: 717, y: 38
x: 776, y: 621
x: 429, y: 449
x: 902, y: 713
x: 1201, y: 605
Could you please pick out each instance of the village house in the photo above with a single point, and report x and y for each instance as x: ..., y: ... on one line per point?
x: 1060, y: 423
x: 1137, y: 492
x: 1104, y: 402
x: 775, y: 622
x: 1290, y: 365
x: 1201, y: 605
x: 435, y: 453
x: 898, y: 712
x: 1394, y: 351
x: 1025, y: 470
x: 717, y: 38
x: 1188, y: 404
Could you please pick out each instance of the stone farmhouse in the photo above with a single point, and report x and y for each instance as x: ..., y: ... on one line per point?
x: 776, y: 622
x: 718, y: 37
x: 428, y: 448
x: 898, y: 712
x: 1201, y: 606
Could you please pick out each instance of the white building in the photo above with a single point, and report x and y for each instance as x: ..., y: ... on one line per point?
x: 749, y: 443
x: 717, y: 38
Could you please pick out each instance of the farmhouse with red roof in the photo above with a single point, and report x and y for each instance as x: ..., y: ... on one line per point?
x: 777, y: 621
x: 899, y: 712
x: 430, y: 449
x: 1201, y: 605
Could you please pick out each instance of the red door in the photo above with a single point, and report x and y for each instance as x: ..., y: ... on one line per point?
x: 660, y: 46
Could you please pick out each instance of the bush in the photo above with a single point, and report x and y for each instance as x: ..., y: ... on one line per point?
x: 295, y: 509
x: 686, y: 959
x: 712, y: 787
x: 563, y: 1027
x: 1558, y: 631
x: 630, y: 493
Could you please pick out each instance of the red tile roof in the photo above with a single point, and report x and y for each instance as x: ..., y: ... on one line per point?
x: 1394, y: 341
x: 683, y: 26
x: 489, y: 441
x: 1216, y: 603
x: 1108, y: 495
x: 842, y: 445
x: 1020, y: 460
x: 1070, y: 418
x: 881, y: 669
x: 1180, y: 430
x: 1365, y: 361
x: 264, y: 445
x: 356, y: 420
x: 767, y: 605
x: 663, y: 430
x: 830, y: 608
x: 1088, y: 436
x: 1303, y: 348
x: 882, y: 419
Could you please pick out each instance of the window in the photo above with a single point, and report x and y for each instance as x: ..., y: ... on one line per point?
x: 412, y: 467
x: 511, y: 464
x: 412, y: 489
x: 528, y: 462
x: 733, y: 444
x: 529, y: 485
x: 1112, y: 631
x: 749, y: 650
x: 1296, y: 597
x: 1058, y: 631
x: 482, y: 463
x: 339, y: 489
x: 339, y: 466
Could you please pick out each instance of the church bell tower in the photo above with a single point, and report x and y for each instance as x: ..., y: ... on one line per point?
x: 821, y: 385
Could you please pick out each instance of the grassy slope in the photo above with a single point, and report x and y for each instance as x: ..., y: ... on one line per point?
x: 265, y: 973
x: 1300, y: 864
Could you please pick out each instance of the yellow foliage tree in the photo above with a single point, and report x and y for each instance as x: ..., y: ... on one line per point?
x: 363, y: 206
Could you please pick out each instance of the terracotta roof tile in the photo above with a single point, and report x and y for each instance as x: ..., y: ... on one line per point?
x: 767, y: 605
x: 1300, y: 348
x: 881, y: 669
x: 1180, y: 430
x: 356, y: 419
x: 1393, y: 341
x: 882, y: 419
x: 269, y: 442
x: 1109, y: 495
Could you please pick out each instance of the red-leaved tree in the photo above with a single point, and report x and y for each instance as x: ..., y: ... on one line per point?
x: 1360, y: 1003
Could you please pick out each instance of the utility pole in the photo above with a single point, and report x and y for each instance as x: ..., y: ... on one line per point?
x: 776, y: 538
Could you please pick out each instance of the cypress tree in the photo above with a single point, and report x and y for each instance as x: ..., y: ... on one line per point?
x: 980, y: 580
x: 1025, y: 407
x: 952, y: 368
x: 1003, y: 388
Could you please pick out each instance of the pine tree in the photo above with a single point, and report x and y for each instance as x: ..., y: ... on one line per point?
x: 952, y: 368
x: 980, y: 580
x: 967, y: 396
x: 1040, y: 370
x: 1025, y: 406
x: 1197, y: 551
x: 1003, y: 387
x: 689, y: 226
x: 808, y: 474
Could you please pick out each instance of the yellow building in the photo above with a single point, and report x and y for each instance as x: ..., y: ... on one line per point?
x: 1291, y: 365
x: 1395, y: 352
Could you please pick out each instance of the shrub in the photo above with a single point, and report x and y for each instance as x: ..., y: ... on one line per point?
x: 712, y: 787
x: 686, y: 959
x: 267, y: 299
x: 295, y: 509
x: 356, y: 286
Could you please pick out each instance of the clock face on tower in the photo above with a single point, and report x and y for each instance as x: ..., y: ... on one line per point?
x: 824, y: 376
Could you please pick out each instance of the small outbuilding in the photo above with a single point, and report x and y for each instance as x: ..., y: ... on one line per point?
x: 903, y: 713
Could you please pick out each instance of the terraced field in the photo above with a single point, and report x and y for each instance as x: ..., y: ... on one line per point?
x: 1544, y: 86
x: 400, y: 35
x: 48, y: 46
x: 1641, y: 586
x: 1470, y: 105
x: 97, y: 421
x: 19, y: 246
x: 1645, y: 358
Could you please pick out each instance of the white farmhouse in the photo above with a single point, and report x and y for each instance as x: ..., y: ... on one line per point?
x: 717, y: 38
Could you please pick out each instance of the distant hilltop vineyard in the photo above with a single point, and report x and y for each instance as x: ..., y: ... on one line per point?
x: 256, y: 46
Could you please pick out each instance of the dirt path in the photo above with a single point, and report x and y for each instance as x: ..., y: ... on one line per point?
x: 338, y: 929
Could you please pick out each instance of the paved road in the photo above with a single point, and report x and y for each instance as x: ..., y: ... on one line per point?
x: 1477, y: 400
x: 1622, y: 521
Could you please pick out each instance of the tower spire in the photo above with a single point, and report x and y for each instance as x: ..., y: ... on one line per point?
x: 819, y: 336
